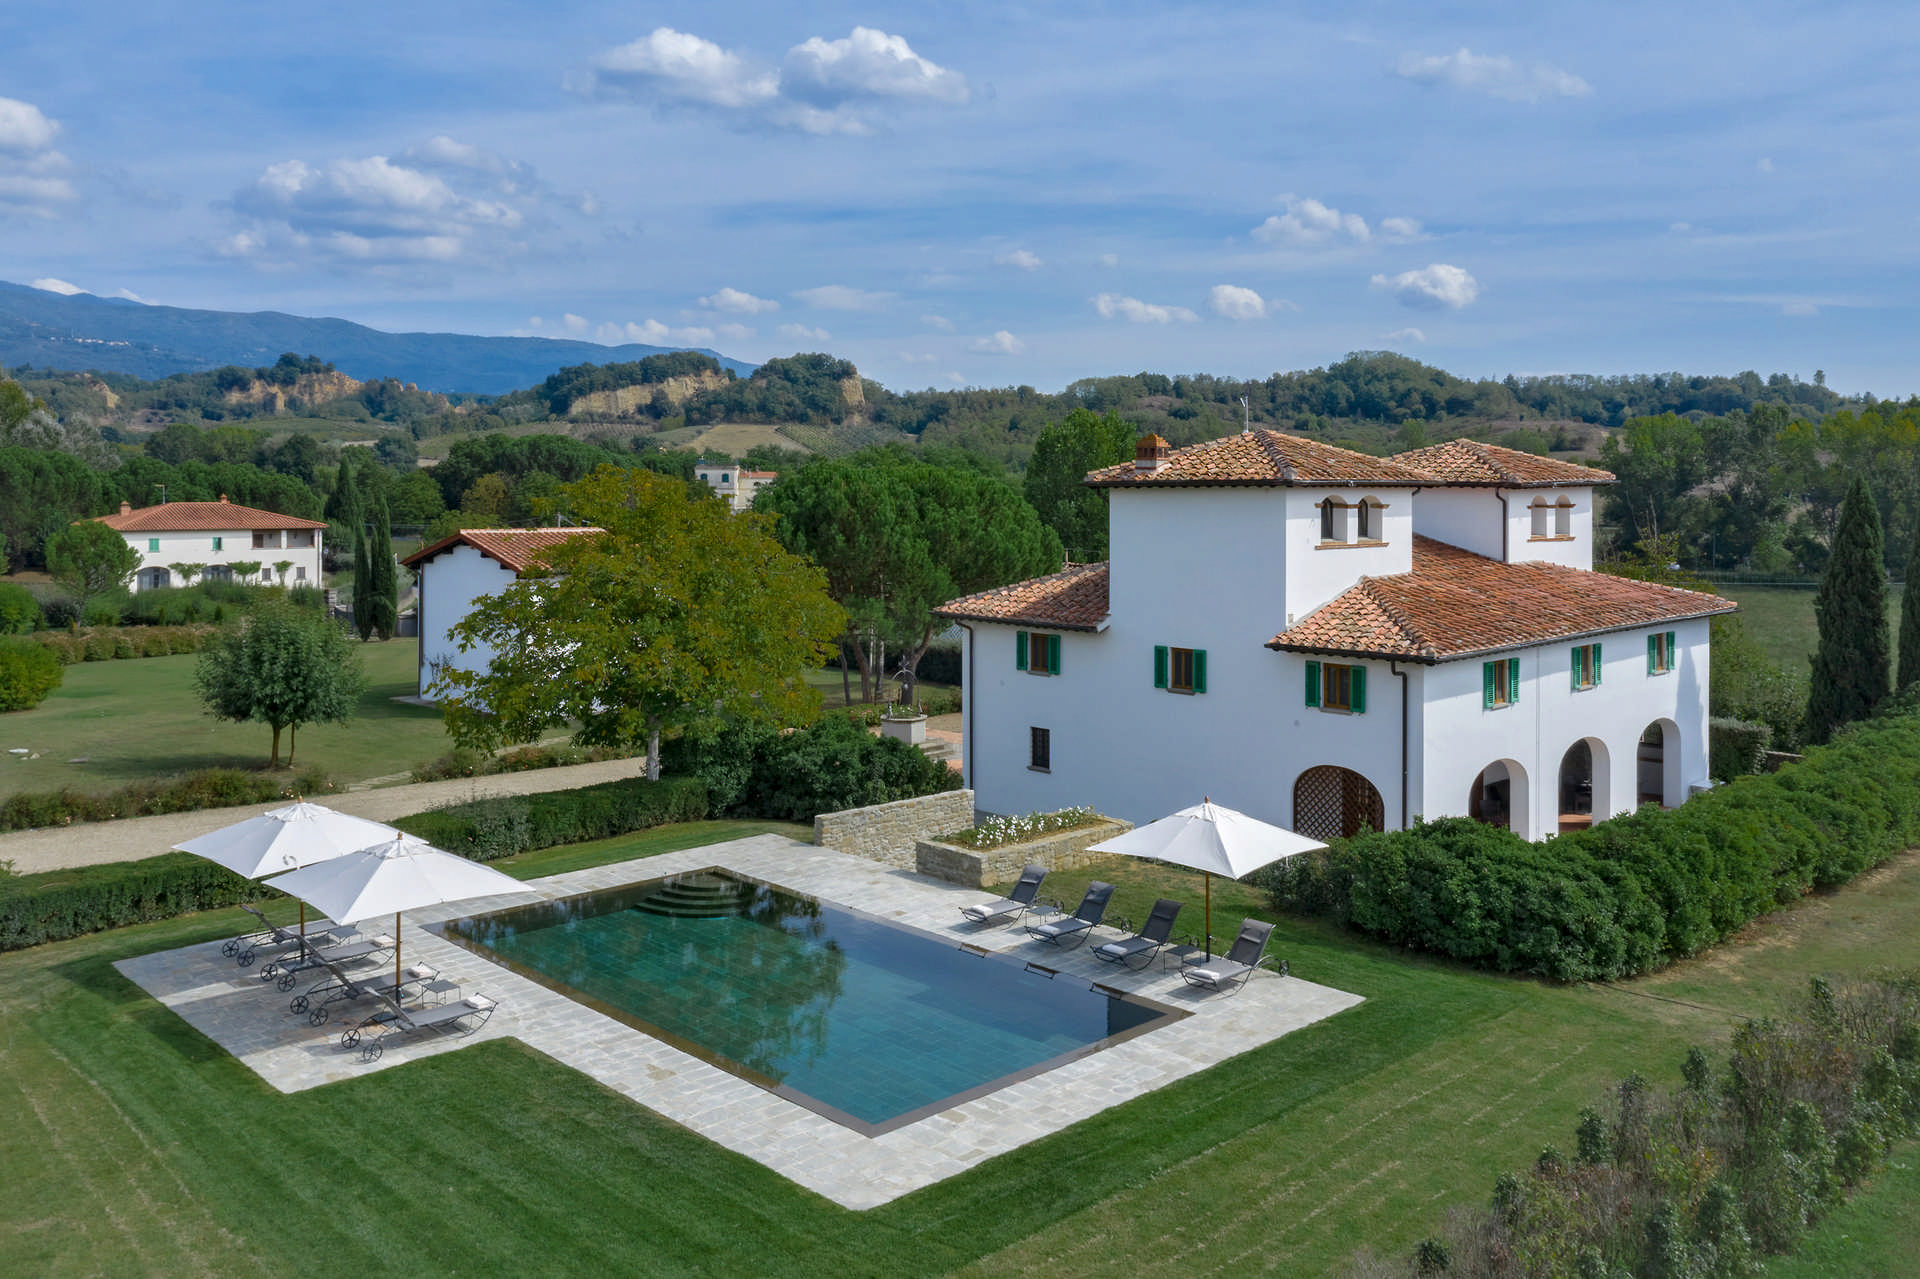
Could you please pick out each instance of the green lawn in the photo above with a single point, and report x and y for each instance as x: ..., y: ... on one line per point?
x: 1780, y: 619
x: 139, y: 718
x: 136, y: 1146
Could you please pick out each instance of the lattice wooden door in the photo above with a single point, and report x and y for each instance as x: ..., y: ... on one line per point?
x: 1330, y: 802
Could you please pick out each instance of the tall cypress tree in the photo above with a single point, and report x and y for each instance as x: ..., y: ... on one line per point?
x: 363, y: 588
x: 1852, y: 664
x: 1909, y: 627
x: 386, y: 576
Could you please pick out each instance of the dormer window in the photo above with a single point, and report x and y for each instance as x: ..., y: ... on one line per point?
x: 1563, y: 517
x: 1350, y: 523
x: 1552, y: 521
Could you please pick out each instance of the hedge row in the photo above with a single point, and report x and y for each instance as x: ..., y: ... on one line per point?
x: 1736, y: 748
x: 461, y: 762
x: 62, y: 904
x: 486, y: 829
x: 1632, y: 893
x: 752, y: 770
x: 190, y: 792
x: 104, y: 643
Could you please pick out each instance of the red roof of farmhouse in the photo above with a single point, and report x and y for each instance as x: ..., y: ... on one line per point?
x: 1072, y: 600
x: 1264, y: 458
x: 193, y: 517
x: 515, y: 548
x: 1459, y: 462
x: 1456, y: 604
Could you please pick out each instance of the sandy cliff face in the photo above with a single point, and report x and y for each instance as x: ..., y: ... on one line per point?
x: 629, y: 400
x: 307, y: 390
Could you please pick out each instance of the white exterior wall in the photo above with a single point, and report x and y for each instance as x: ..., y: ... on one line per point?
x: 196, y: 547
x: 1463, y: 517
x: 449, y: 584
x: 1470, y: 518
x: 1317, y: 571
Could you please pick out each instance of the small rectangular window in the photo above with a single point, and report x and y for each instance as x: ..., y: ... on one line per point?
x: 1040, y: 654
x: 1366, y: 517
x: 153, y: 544
x: 1660, y: 653
x: 1586, y: 666
x: 300, y: 574
x: 218, y: 544
x: 1500, y: 683
x: 1343, y: 688
x: 1040, y: 750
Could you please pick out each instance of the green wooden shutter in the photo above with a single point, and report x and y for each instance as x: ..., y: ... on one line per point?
x: 1053, y: 654
x: 1199, y: 670
x: 1573, y: 669
x: 1596, y: 663
x: 1020, y: 650
x: 1486, y: 685
x: 1673, y: 659
x: 1357, y: 695
x: 1159, y: 665
x: 1653, y: 643
x: 1513, y: 681
x: 1313, y: 683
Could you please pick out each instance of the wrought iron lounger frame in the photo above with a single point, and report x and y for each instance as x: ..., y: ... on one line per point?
x: 1234, y: 969
x: 340, y: 986
x: 452, y: 1017
x: 1016, y: 903
x: 1146, y: 943
x: 285, y: 973
x: 244, y: 949
x: 1077, y: 927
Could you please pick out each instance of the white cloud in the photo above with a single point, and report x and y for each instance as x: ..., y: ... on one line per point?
x: 1406, y: 335
x: 1109, y: 259
x: 734, y: 302
x: 1001, y: 343
x: 940, y: 322
x: 648, y: 332
x: 1492, y: 74
x: 840, y: 297
x: 1020, y: 258
x: 1431, y: 287
x: 801, y: 333
x: 51, y: 285
x: 1236, y: 303
x: 955, y: 379
x: 32, y: 174
x: 575, y: 323
x: 1400, y: 230
x: 1765, y: 165
x: 131, y: 296
x: 822, y: 87
x: 438, y: 203
x: 734, y: 331
x: 1113, y: 305
x: 1309, y: 224
x: 925, y: 357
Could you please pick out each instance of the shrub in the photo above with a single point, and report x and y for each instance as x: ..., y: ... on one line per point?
x: 19, y: 611
x: 461, y: 762
x: 1736, y: 748
x: 53, y: 906
x: 997, y: 832
x: 28, y: 672
x: 190, y: 792
x: 751, y: 770
x: 104, y: 610
x: 502, y: 826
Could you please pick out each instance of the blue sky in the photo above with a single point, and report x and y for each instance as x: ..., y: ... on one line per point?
x: 998, y: 194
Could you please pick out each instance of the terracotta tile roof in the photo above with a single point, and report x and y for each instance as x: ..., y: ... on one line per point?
x: 194, y: 517
x: 1072, y: 600
x: 1265, y: 458
x: 1465, y: 462
x: 515, y: 548
x: 1456, y: 604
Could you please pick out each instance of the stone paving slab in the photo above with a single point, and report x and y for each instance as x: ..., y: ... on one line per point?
x: 250, y: 1019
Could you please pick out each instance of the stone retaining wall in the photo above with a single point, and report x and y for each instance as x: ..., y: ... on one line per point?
x: 976, y: 868
x: 888, y: 833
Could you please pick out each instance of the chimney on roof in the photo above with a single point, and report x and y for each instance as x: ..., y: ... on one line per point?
x: 1152, y: 454
x: 126, y: 508
x: 223, y: 497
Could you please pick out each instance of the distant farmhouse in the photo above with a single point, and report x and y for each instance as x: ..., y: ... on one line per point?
x: 457, y: 570
x: 1333, y: 642
x: 217, y: 535
x: 732, y: 483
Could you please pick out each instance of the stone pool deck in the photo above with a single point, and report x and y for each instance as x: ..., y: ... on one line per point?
x: 249, y: 1019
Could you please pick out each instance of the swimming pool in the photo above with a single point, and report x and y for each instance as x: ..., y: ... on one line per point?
x: 863, y: 1021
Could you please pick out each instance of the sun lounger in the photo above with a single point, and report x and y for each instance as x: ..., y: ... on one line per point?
x: 246, y: 948
x: 285, y: 973
x: 1231, y: 971
x: 1138, y: 950
x: 457, y: 1017
x: 1077, y: 927
x: 1016, y: 903
x: 340, y: 986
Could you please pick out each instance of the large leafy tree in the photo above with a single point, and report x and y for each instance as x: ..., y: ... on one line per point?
x: 1056, y: 478
x: 898, y: 537
x: 90, y: 559
x: 281, y: 666
x: 676, y: 612
x: 1850, y: 666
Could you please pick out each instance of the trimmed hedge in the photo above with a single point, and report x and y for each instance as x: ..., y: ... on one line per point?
x: 190, y: 792
x: 1736, y: 748
x: 60, y: 904
x: 1632, y: 893
x: 27, y: 674
x: 752, y: 770
x: 486, y: 829
x: 106, y: 643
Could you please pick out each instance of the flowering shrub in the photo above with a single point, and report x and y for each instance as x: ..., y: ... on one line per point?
x: 997, y: 832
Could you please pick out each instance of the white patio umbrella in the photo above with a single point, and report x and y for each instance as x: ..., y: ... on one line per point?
x: 285, y: 839
x: 400, y: 874
x: 1213, y: 839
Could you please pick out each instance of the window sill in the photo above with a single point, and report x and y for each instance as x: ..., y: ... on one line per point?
x: 1334, y: 710
x: 1046, y: 673
x: 1584, y: 688
x: 1182, y: 692
x: 1500, y: 706
x: 1035, y: 768
x: 1557, y: 537
x: 1350, y: 546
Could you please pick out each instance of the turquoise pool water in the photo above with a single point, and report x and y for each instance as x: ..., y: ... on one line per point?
x: 867, y: 1022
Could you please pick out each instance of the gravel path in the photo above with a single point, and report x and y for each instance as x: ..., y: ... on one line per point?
x: 92, y: 843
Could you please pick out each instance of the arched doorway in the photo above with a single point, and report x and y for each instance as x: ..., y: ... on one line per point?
x: 152, y: 579
x: 1584, y: 793
x: 1657, y: 765
x: 1499, y: 796
x: 1330, y: 802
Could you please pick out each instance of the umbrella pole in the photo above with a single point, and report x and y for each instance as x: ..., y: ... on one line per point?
x: 396, y: 956
x: 1209, y: 941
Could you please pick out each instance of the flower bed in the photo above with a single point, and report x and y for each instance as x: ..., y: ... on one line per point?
x: 1060, y: 847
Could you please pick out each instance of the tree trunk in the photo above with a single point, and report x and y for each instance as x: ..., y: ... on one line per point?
x: 653, y: 750
x: 910, y: 665
x: 846, y: 688
x: 275, y: 761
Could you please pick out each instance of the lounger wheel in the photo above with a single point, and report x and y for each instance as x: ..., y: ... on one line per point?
x: 297, y: 1005
x: 245, y: 959
x: 350, y: 1037
x: 230, y: 947
x: 370, y: 1049
x: 318, y: 1017
x: 284, y: 983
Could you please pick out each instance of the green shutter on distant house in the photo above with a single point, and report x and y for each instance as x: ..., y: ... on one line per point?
x: 1357, y: 694
x: 1159, y: 665
x: 1313, y: 683
x: 1673, y: 659
x: 1573, y: 668
x: 1653, y: 645
x: 1486, y: 685
x: 1596, y: 664
x: 1199, y: 670
x: 1053, y: 654
x: 1513, y: 681
x: 153, y: 544
x: 1020, y: 650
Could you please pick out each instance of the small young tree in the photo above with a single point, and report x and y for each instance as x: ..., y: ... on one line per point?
x: 282, y: 567
x: 245, y: 569
x: 283, y: 667
x: 1851, y: 665
x: 186, y: 571
x: 90, y: 559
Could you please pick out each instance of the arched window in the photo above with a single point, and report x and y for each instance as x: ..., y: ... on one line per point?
x: 1540, y: 511
x: 1333, y: 520
x: 1369, y: 520
x: 1563, y: 517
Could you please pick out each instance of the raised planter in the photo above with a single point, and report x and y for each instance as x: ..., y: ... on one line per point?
x: 911, y: 729
x: 978, y: 867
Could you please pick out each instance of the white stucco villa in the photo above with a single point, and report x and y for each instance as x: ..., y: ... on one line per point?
x: 215, y: 536
x: 736, y: 486
x: 457, y: 570
x: 1328, y: 640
